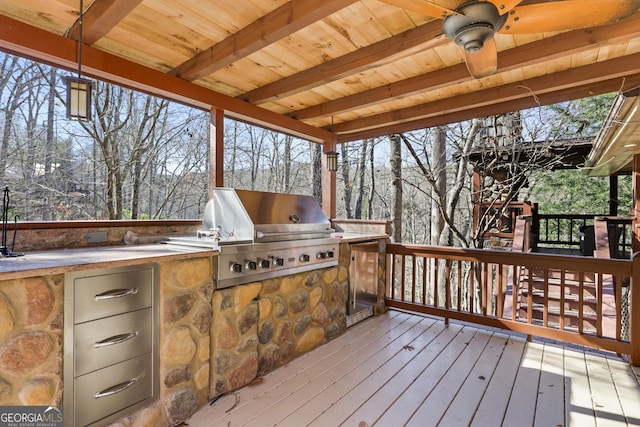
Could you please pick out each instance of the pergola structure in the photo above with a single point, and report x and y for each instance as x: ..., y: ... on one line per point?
x: 328, y: 71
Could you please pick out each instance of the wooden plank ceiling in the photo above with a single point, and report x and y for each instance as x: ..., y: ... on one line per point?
x: 366, y: 66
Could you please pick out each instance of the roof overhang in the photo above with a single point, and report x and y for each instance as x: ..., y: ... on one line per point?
x: 619, y: 138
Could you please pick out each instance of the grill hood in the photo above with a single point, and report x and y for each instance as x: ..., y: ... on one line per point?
x: 243, y: 216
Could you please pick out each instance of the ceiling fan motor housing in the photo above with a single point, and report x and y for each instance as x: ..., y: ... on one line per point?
x: 478, y: 21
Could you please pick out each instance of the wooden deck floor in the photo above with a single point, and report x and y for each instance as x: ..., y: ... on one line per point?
x: 400, y: 369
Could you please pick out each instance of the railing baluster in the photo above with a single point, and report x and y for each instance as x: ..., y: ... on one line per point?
x: 459, y: 284
x: 447, y: 287
x: 485, y: 282
x: 599, y: 303
x: 404, y: 276
x: 424, y: 279
x: 545, y: 298
x: 391, y: 275
x: 530, y: 295
x: 436, y: 278
x: 501, y: 290
x: 515, y: 291
x: 471, y: 289
x: 617, y: 287
x: 413, y: 279
x: 562, y: 302
x: 581, y: 303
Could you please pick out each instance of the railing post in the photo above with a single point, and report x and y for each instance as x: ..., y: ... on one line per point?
x: 634, y: 304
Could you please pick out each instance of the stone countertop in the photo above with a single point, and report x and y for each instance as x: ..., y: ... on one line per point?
x: 62, y: 261
x: 351, y: 237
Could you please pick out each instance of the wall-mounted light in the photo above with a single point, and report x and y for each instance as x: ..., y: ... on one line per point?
x: 332, y: 161
x: 79, y: 89
x: 78, y: 98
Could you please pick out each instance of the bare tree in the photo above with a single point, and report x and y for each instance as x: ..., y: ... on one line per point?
x: 396, y: 172
x: 360, y: 178
x: 316, y: 170
x: 346, y: 178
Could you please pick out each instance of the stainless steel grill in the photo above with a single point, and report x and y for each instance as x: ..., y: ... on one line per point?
x: 261, y: 235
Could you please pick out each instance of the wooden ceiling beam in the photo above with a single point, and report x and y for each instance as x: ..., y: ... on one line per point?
x: 283, y: 21
x: 583, y: 91
x: 100, y: 18
x: 538, y: 51
x: 425, y: 36
x: 589, y: 74
x: 40, y: 45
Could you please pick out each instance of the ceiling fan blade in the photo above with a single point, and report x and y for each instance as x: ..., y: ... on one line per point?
x: 567, y: 15
x: 423, y: 6
x: 505, y: 6
x: 484, y: 62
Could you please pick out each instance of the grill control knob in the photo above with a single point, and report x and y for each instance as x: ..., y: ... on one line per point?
x: 321, y: 255
x: 264, y: 263
x: 330, y: 254
x: 278, y: 262
x: 251, y: 265
x: 235, y: 267
x: 304, y: 258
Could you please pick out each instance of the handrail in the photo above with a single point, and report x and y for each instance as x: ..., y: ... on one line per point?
x: 551, y: 296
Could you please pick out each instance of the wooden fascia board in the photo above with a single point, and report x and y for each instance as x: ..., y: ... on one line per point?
x: 616, y: 143
x: 588, y: 74
x: 283, y: 21
x: 100, y: 18
x: 27, y: 41
x: 425, y: 36
x: 569, y: 94
x: 541, y: 50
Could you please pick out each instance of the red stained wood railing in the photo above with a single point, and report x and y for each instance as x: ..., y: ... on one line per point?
x: 553, y: 296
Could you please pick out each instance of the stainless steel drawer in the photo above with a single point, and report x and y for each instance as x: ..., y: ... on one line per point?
x: 112, y: 339
x: 113, y: 293
x: 98, y: 394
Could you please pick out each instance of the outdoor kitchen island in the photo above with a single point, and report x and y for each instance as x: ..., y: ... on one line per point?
x: 210, y: 341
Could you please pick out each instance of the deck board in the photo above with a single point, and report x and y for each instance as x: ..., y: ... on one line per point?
x: 524, y: 393
x: 436, y: 404
x: 493, y: 405
x: 464, y: 404
x: 550, y: 405
x: 400, y: 369
x: 579, y: 404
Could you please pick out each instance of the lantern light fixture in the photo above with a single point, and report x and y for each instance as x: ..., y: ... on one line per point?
x: 78, y: 88
x: 78, y: 98
x: 332, y: 155
x: 332, y: 161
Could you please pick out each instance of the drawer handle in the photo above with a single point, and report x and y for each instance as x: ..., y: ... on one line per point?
x: 116, y: 388
x: 116, y: 339
x: 116, y: 293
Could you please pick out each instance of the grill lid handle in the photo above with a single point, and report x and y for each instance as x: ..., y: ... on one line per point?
x: 262, y: 234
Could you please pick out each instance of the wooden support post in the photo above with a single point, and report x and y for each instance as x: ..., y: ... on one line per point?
x: 613, y: 195
x: 216, y: 150
x: 635, y: 239
x: 328, y: 183
x: 634, y: 306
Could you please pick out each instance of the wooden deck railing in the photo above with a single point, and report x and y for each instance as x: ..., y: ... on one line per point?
x: 552, y: 296
x: 557, y: 230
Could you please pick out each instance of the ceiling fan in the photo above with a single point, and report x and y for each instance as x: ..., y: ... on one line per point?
x: 472, y: 24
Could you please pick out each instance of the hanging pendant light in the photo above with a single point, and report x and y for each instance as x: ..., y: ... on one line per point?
x: 78, y: 98
x: 78, y: 88
x: 332, y: 155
